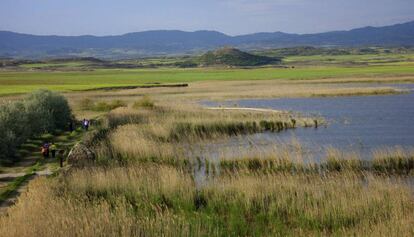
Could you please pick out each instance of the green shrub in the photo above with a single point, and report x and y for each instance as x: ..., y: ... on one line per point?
x: 12, y: 129
x: 47, y: 111
x: 41, y: 112
x: 186, y: 64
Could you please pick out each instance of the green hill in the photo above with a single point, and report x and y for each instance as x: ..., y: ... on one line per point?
x: 235, y: 57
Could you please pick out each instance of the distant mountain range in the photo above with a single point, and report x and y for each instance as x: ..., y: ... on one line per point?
x: 167, y: 42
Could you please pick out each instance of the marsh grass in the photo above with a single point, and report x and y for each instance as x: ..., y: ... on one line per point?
x: 262, y: 165
x: 394, y: 160
x: 389, y: 162
x: 154, y: 200
x: 165, y: 134
x: 123, y: 116
x: 161, y: 133
x: 101, y: 106
x: 145, y: 102
x: 206, y: 130
x: 340, y: 161
x: 86, y: 104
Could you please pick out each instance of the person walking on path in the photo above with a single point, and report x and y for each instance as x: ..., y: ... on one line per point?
x: 85, y: 124
x: 45, y: 149
x: 60, y: 155
x: 53, y: 149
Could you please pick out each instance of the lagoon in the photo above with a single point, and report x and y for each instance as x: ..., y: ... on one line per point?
x: 361, y: 124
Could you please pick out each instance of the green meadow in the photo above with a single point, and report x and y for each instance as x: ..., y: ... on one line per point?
x: 16, y: 82
x: 363, y: 59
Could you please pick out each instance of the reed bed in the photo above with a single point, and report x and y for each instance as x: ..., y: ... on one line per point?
x: 394, y: 160
x: 390, y: 161
x: 154, y: 200
x: 88, y: 104
x: 162, y: 133
x: 99, y: 206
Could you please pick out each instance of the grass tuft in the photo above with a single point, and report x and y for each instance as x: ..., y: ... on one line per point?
x: 145, y: 102
x: 101, y: 106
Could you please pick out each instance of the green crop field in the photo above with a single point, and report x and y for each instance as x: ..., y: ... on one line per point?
x: 63, y: 64
x: 364, y: 59
x: 24, y: 81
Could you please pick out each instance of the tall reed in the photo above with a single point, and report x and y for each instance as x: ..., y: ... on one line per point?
x: 153, y: 200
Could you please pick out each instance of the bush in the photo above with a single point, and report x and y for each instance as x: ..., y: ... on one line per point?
x: 186, y: 64
x: 47, y: 111
x: 12, y: 132
x: 41, y: 112
x: 145, y: 102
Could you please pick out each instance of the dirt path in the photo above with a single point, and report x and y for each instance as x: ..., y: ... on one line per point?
x: 12, y: 199
x: 14, y: 179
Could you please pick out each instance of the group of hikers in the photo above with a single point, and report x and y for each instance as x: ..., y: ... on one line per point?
x: 48, y: 149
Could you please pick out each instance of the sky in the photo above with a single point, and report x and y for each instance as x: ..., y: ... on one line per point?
x: 233, y: 17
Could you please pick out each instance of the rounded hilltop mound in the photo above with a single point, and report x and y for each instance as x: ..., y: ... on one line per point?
x: 234, y: 57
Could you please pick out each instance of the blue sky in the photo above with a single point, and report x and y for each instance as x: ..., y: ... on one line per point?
x: 110, y: 17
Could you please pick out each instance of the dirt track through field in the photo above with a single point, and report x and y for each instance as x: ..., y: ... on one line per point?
x: 12, y: 199
x: 15, y: 179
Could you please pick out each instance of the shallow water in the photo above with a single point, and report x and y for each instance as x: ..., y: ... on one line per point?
x: 359, y: 123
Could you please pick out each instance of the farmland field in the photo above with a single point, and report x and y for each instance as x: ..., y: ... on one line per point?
x: 23, y: 81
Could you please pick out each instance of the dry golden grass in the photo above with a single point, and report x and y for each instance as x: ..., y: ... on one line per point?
x: 333, y: 201
x: 152, y: 200
x: 135, y: 142
x: 53, y: 208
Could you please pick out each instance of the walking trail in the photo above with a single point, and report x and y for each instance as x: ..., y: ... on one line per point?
x: 15, y: 178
